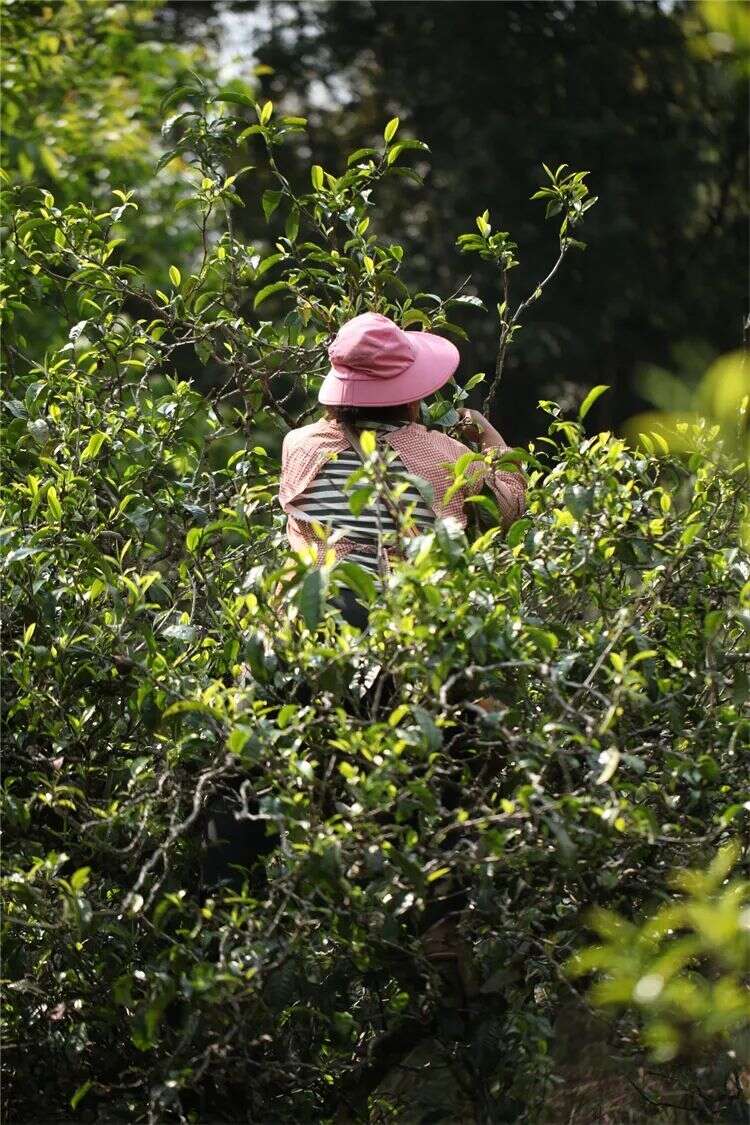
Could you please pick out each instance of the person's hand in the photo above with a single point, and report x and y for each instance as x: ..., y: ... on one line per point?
x: 479, y: 430
x: 472, y: 423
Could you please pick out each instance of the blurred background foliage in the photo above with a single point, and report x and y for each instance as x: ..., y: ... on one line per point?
x: 650, y: 97
x: 651, y: 966
x: 82, y: 85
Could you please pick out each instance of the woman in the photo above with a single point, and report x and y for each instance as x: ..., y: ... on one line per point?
x: 378, y: 378
x: 379, y: 375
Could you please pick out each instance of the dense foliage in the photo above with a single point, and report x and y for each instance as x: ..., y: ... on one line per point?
x: 533, y: 725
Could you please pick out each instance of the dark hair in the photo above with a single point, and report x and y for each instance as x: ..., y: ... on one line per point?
x: 352, y: 415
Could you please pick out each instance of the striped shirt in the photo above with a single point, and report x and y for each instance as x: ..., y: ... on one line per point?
x: 326, y: 500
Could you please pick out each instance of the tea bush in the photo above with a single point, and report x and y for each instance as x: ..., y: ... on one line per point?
x: 533, y: 724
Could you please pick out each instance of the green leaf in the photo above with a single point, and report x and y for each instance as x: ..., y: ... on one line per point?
x: 189, y: 705
x: 267, y: 291
x: 80, y: 1094
x: 311, y: 598
x: 270, y: 202
x: 416, y: 316
x: 316, y: 175
x: 53, y: 504
x: 691, y: 531
x: 96, y: 588
x: 80, y: 878
x: 423, y: 487
x: 516, y: 531
x: 251, y: 129
x: 358, y: 579
x: 234, y: 97
x: 590, y: 399
x: 440, y: 873
x: 291, y: 228
x: 612, y: 760
x: 367, y: 442
x: 193, y: 538
x: 396, y: 716
x: 712, y: 621
x: 468, y: 299
x: 661, y: 442
x: 204, y: 299
x: 204, y: 350
x: 238, y: 739
x: 175, y: 276
x: 412, y: 143
x: 286, y: 714
x: 267, y: 263
x: 21, y: 553
x: 407, y: 174
x: 146, y: 1029
x: 360, y: 498
x: 488, y: 505
x: 361, y: 153
x: 390, y: 130
x: 474, y: 381
x: 176, y: 95
x: 185, y: 633
x: 164, y: 159
x: 428, y: 728
x: 93, y: 446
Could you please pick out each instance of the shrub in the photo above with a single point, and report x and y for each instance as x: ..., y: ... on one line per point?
x: 533, y: 723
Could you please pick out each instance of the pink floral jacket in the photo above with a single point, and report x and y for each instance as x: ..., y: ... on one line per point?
x: 424, y: 453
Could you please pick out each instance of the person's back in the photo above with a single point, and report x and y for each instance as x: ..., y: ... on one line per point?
x: 327, y: 498
x: 379, y: 376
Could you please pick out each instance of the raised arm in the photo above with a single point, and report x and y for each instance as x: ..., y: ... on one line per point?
x: 509, y: 488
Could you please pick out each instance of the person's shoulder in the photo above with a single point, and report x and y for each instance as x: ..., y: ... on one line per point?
x: 304, y: 436
x: 441, y: 444
x: 436, y: 443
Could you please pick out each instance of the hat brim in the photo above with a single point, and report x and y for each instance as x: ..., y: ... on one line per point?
x: 435, y: 362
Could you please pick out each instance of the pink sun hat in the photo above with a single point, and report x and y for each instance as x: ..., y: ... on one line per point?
x: 376, y: 363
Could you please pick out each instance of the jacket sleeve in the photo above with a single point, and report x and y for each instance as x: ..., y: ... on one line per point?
x: 284, y: 468
x: 296, y: 457
x: 510, y: 493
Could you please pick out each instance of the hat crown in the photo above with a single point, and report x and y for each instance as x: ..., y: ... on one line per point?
x: 371, y: 346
